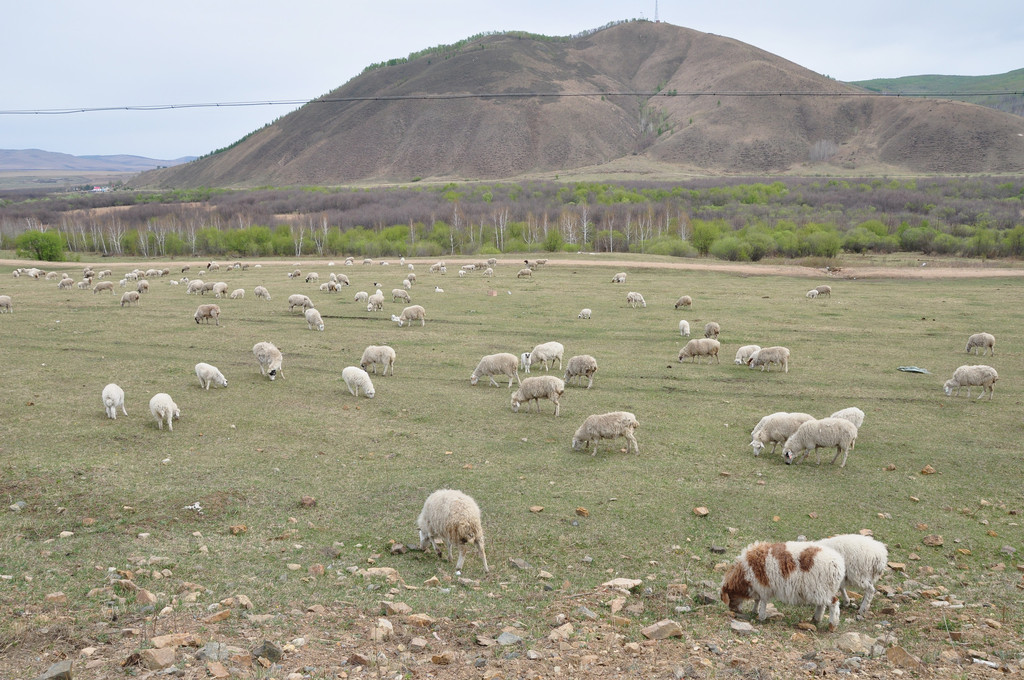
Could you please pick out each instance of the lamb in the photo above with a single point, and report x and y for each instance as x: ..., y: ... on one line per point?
x: 634, y: 300
x: 375, y: 302
x: 824, y: 290
x: 768, y: 356
x: 399, y: 294
x: 270, y: 359
x: 607, y: 426
x: 584, y: 313
x: 537, y: 388
x: 684, y: 328
x: 261, y: 293
x: 743, y: 353
x: 524, y: 361
x: 210, y: 375
x: 236, y: 294
x: 865, y: 560
x: 438, y: 289
x: 207, y: 312
x: 313, y: 319
x: 220, y: 289
x: 701, y: 347
x: 545, y: 353
x: 812, y: 293
x: 361, y: 296
x: 453, y: 517
x: 684, y: 301
x: 496, y: 364
x: 104, y: 285
x: 132, y: 296
x: 775, y: 429
x: 378, y: 354
x: 712, y: 330
x: 580, y: 367
x: 410, y: 314
x: 525, y: 271
x: 299, y: 300
x: 827, y: 432
x: 853, y: 414
x: 163, y: 409
x: 972, y: 376
x: 113, y: 397
x: 355, y: 379
x: 986, y: 341
x: 794, y: 572
x: 619, y: 278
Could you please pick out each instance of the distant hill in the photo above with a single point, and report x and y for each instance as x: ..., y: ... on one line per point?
x: 19, y: 160
x: 977, y: 86
x: 514, y: 105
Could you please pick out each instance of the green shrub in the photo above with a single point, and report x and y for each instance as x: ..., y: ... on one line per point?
x: 40, y: 245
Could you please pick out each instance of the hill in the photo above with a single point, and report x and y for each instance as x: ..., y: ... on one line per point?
x: 18, y: 160
x: 975, y: 89
x: 636, y: 99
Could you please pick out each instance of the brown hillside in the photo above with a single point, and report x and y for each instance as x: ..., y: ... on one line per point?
x: 706, y: 129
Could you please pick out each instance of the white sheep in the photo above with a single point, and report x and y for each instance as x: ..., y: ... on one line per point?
x: 794, y: 572
x: 194, y: 286
x: 986, y: 341
x: 220, y: 289
x: 378, y: 354
x: 312, y: 277
x: 406, y: 284
x: 775, y: 429
x: 357, y: 379
x: 743, y: 353
x: 536, y: 388
x: 853, y: 414
x: 545, y: 353
x: 210, y: 375
x: 770, y: 355
x: 163, y: 409
x: 261, y: 293
x: 130, y: 297
x: 865, y: 560
x: 410, y: 314
x: 712, y: 330
x: 525, y: 272
x: 585, y: 313
x: 410, y: 277
x: 313, y: 319
x: 684, y: 301
x: 452, y: 517
x: 580, y: 367
x: 299, y: 300
x: 701, y: 347
x: 236, y: 294
x: 102, y: 286
x: 208, y: 287
x: 207, y: 312
x: 607, y: 426
x: 814, y: 434
x: 294, y: 274
x: 375, y: 302
x: 342, y: 280
x: 64, y: 284
x: 619, y: 278
x: 496, y: 364
x: 524, y: 361
x: 269, y: 358
x: 824, y: 290
x: 113, y: 397
x: 143, y: 286
x: 438, y: 289
x: 812, y: 293
x: 972, y: 376
x: 634, y: 299
x: 399, y: 294
x: 684, y: 328
x: 361, y: 296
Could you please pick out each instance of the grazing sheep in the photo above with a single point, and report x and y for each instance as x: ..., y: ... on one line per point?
x: 794, y: 572
x: 210, y: 375
x: 824, y: 290
x: 194, y: 286
x: 684, y: 328
x: 526, y: 271
x: 375, y: 302
x: 853, y: 414
x: 299, y: 300
x: 185, y: 268
x: 410, y: 314
x: 236, y: 294
x: 684, y: 301
x: 865, y: 560
x: 814, y: 434
x: 355, y: 379
x: 584, y: 313
x: 545, y: 353
x: 342, y: 280
x: 986, y: 341
x: 207, y: 312
x: 768, y: 356
x: 812, y: 293
x: 64, y: 284
x: 489, y: 272
x: 438, y: 289
x: 313, y: 319
x: 580, y: 367
x: 84, y: 283
x: 207, y: 287
x: 163, y: 409
x: 701, y: 347
x: 634, y: 300
x: 311, y: 277
x: 361, y: 296
x: 261, y: 293
x: 399, y: 294
x: 454, y: 518
x: 270, y: 359
x: 607, y: 426
x: 113, y: 397
x: 130, y: 297
x: 775, y: 429
x: 496, y: 364
x: 104, y: 285
x: 619, y: 278
x: 537, y: 388
x: 220, y: 289
x: 406, y: 284
x: 294, y: 274
x: 712, y: 330
x: 743, y: 353
x: 972, y: 376
x: 410, y: 277
x: 378, y: 354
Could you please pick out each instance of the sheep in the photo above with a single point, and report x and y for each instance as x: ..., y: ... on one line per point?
x: 406, y: 284
x: 375, y: 303
x: 986, y: 341
x: 607, y: 426
x: 67, y: 283
x: 294, y: 274
x: 269, y: 358
x: 130, y: 297
x: 299, y: 300
x: 410, y: 277
x: 684, y: 328
x: 361, y: 296
x: 207, y: 312
x: 489, y: 272
x: 410, y: 314
x: 525, y: 272
x: 355, y: 379
x: 185, y: 268
x: 438, y: 289
x: 436, y: 267
x: 84, y: 283
x: 261, y: 293
x: 194, y: 286
x: 311, y: 277
x: 453, y: 517
x: 701, y: 347
x: 163, y: 409
x: 853, y: 414
x: 213, y: 266
x: 343, y: 280
x: 207, y: 287
x: 210, y: 375
x: 496, y: 364
x: 113, y: 397
x: 367, y: 261
x: 972, y: 376
x: 827, y: 432
x: 236, y: 294
x: 684, y: 301
x: 142, y: 286
x: 220, y: 289
x: 812, y: 293
x: 399, y: 294
x: 545, y: 353
x: 378, y: 354
x: 712, y: 330
x: 580, y: 367
x: 524, y: 361
x: 634, y: 300
x: 103, y: 285
x: 585, y: 313
x: 619, y: 278
x: 794, y: 572
x: 172, y: 282
x: 865, y: 560
x: 537, y: 388
x: 313, y: 319
x: 775, y: 429
x: 743, y: 353
x: 824, y: 290
x: 770, y: 355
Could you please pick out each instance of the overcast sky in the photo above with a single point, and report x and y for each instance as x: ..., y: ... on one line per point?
x: 59, y: 54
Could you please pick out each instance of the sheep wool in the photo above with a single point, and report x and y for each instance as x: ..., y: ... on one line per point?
x: 496, y: 364
x: 299, y: 300
x: 585, y: 313
x: 853, y: 414
x: 6, y: 304
x: 207, y: 312
x: 236, y: 294
x: 684, y: 301
x: 163, y: 409
x: 770, y: 355
x: 712, y: 330
x: 972, y: 376
x: 269, y: 358
x: 210, y: 375
x: 452, y: 517
x: 824, y: 290
x: 775, y: 429
x: 744, y: 352
x: 986, y: 342
x: 580, y: 367
x: 684, y: 328
x: 607, y: 426
x: 261, y: 293
x: 410, y: 314
x: 357, y: 379
x: 814, y: 434
x: 865, y: 560
x: 545, y: 353
x: 378, y: 354
x: 812, y: 293
x: 313, y: 319
x: 701, y: 347
x: 536, y: 388
x: 619, y: 278
x: 635, y: 299
x: 113, y: 398
x: 132, y: 296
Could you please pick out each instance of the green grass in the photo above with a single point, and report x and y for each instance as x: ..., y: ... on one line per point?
x: 248, y: 453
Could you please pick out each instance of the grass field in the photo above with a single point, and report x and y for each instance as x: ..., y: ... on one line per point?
x: 247, y: 454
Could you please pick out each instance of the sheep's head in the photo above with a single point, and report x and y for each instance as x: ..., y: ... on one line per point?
x: 949, y: 387
x: 758, y: 447
x: 515, y: 403
x: 396, y: 319
x: 735, y: 588
x: 369, y: 391
x: 473, y: 379
x: 272, y: 373
x: 176, y: 414
x: 788, y: 456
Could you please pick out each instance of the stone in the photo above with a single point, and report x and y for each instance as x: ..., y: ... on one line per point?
x: 443, y: 659
x: 217, y: 670
x: 701, y: 511
x: 243, y: 601
x: 389, y: 574
x: 544, y: 575
x: 58, y: 671
x: 307, y: 502
x: 562, y: 632
x: 143, y: 596
x: 174, y: 640
x: 270, y: 651
x: 357, y: 659
x: 898, y: 566
x: 519, y: 563
x: 536, y: 508
x: 382, y: 631
x: 855, y: 643
x: 586, y: 613
x: 927, y: 470
x: 56, y: 598
x: 316, y: 570
x: 898, y: 656
x: 738, y: 626
x: 623, y: 583
x: 418, y: 643
x: 217, y: 616
x: 422, y: 620
x: 933, y: 540
x: 663, y: 629
x: 398, y: 549
x: 507, y: 638
x: 238, y: 529
x: 620, y: 621
x: 155, y: 659
x: 582, y: 512
x: 396, y: 608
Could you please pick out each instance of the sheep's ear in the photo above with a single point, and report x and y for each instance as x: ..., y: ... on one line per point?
x: 725, y: 598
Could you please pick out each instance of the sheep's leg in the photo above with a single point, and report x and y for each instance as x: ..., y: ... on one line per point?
x: 122, y: 410
x: 591, y: 383
x: 170, y: 425
x: 762, y: 610
x: 462, y: 558
x: 556, y: 406
x: 865, y: 604
x: 491, y: 378
x: 833, y: 614
x: 632, y: 441
x: 483, y: 553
